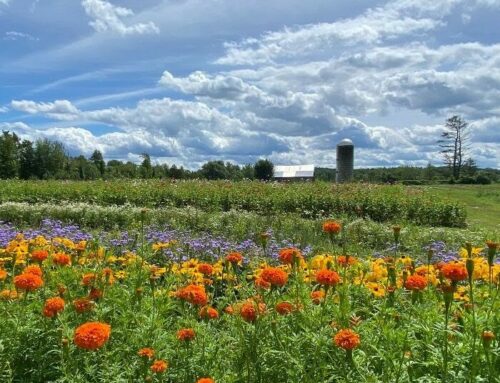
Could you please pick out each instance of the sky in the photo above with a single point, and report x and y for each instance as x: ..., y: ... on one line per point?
x: 188, y: 81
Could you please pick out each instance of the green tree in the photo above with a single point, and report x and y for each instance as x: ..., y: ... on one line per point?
x: 8, y: 155
x: 27, y: 164
x: 214, y: 170
x: 247, y: 172
x: 146, y: 169
x: 50, y: 159
x: 263, y: 170
x: 98, y: 161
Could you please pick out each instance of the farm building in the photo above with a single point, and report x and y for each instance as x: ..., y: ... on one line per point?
x: 294, y: 173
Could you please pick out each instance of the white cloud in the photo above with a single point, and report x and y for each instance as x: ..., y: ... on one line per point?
x: 109, y: 17
x: 4, y: 2
x: 14, y: 36
x: 4, y: 109
x: 394, y: 20
x: 59, y: 109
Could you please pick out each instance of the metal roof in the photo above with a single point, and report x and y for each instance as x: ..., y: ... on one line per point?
x: 294, y: 171
x: 345, y: 142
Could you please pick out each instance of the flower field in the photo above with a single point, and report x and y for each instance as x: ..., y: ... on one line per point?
x: 381, y: 203
x: 157, y: 304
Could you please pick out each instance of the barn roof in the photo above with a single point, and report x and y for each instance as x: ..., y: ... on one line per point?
x: 294, y: 171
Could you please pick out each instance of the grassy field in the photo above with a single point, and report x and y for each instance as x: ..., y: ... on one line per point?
x: 482, y: 202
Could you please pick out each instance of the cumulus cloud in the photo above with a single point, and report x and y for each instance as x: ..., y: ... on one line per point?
x: 59, y: 109
x: 109, y: 17
x: 392, y: 21
x: 386, y: 79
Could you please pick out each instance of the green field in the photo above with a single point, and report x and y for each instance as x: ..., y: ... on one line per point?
x: 482, y: 202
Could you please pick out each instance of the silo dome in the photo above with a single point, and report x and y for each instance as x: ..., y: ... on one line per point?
x: 345, y: 160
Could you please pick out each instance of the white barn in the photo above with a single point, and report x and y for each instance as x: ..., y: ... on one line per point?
x: 294, y: 172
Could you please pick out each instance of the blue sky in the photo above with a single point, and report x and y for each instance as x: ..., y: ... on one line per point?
x: 189, y: 81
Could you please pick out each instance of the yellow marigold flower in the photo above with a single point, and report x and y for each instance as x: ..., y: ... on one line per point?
x: 476, y: 252
x: 161, y: 245
x: 321, y: 261
x: 377, y: 289
x: 405, y: 260
x: 8, y: 295
x: 461, y: 294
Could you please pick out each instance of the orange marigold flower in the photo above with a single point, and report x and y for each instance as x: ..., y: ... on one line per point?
x: 234, y: 258
x: 275, y: 276
x: 205, y: 380
x: 28, y: 282
x: 208, y: 312
x: 250, y: 310
x: 39, y: 255
x: 454, y: 271
x: 95, y: 294
x: 332, y: 227
x: 159, y: 366
x: 229, y: 310
x: 487, y: 337
x: 186, y: 334
x: 416, y: 282
x: 342, y: 260
x: 327, y: 277
x: 262, y: 284
x: 107, y: 272
x: 61, y: 259
x: 88, y: 279
x: 289, y: 255
x: 284, y: 308
x: 146, y: 352
x: 346, y: 339
x: 3, y: 274
x: 83, y: 305
x: 92, y: 335
x: 33, y: 269
x: 194, y: 294
x: 53, y: 306
x: 317, y: 296
x: 205, y: 269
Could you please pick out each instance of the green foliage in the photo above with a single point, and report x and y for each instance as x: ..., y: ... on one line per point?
x: 311, y: 200
x: 263, y: 170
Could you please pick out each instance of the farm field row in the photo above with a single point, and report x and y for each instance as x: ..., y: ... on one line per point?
x: 380, y: 203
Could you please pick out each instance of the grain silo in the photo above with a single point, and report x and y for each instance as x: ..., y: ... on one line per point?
x: 345, y: 161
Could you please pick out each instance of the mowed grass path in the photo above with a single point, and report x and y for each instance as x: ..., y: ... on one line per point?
x: 482, y: 202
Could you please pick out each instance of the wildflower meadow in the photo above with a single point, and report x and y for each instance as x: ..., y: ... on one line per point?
x: 232, y: 297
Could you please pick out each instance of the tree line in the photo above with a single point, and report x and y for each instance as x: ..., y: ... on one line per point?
x: 45, y: 159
